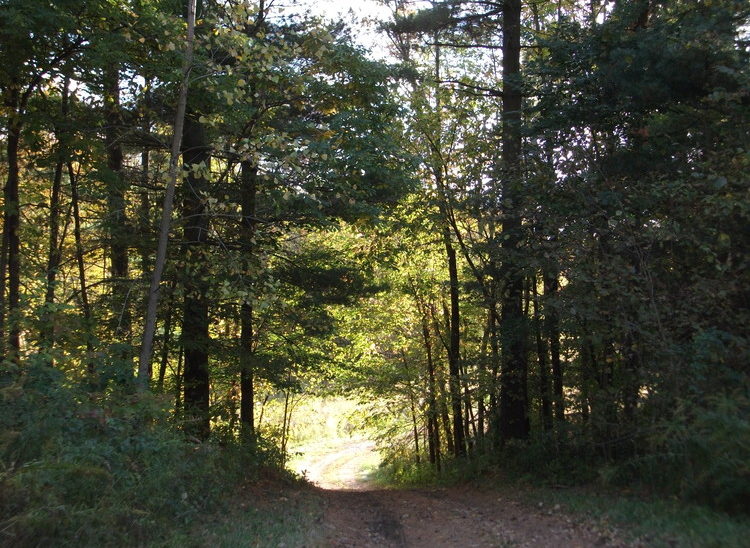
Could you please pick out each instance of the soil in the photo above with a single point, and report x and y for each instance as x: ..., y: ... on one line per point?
x: 357, y: 514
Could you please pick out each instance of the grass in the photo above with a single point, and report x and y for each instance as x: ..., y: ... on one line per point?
x: 401, y: 471
x: 656, y: 522
x: 269, y: 515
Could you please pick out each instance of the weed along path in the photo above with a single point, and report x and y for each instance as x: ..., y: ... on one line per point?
x: 359, y: 514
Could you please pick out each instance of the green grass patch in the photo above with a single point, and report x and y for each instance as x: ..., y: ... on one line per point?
x: 656, y: 522
x: 277, y: 516
x: 398, y: 470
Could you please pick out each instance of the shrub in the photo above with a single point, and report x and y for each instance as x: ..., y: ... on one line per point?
x: 107, y: 468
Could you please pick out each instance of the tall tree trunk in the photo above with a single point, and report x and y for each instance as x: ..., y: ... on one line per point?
x: 166, y: 343
x: 412, y: 406
x: 432, y: 408
x: 632, y: 359
x: 417, y: 457
x: 454, y: 327
x: 54, y: 254
x: 631, y: 374
x: 85, y: 307
x: 11, y: 244
x: 444, y: 417
x: 117, y: 218
x: 144, y: 207
x: 541, y: 351
x: 286, y: 421
x: 248, y: 198
x: 495, y: 381
x: 3, y: 284
x: 514, y: 421
x: 483, y: 381
x: 149, y: 329
x: 179, y: 376
x: 454, y: 367
x: 195, y: 322
x: 429, y: 439
x: 470, y: 422
x: 552, y: 328
x: 247, y: 233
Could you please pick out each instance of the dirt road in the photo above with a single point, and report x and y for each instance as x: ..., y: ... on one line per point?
x: 358, y: 515
x: 344, y: 467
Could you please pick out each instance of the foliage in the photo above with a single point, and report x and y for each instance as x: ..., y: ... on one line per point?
x: 658, y: 522
x: 81, y: 468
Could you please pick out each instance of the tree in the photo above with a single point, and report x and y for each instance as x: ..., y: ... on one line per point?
x: 161, y: 253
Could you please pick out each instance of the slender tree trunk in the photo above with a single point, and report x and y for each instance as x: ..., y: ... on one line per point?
x: 166, y: 343
x: 552, y: 322
x: 632, y: 360
x: 454, y: 327
x: 117, y: 218
x: 144, y: 207
x: 631, y: 373
x: 80, y: 262
x: 247, y: 234
x: 410, y: 390
x: 3, y: 284
x: 470, y: 423
x: 54, y: 254
x: 284, y: 425
x: 514, y: 421
x: 11, y: 243
x: 443, y: 400
x: 166, y: 218
x: 179, y: 376
x: 446, y: 421
x: 248, y: 197
x: 483, y: 381
x: 417, y: 456
x: 589, y: 374
x: 541, y: 351
x: 432, y: 408
x: 452, y: 349
x: 454, y: 367
x: 430, y: 438
x: 495, y: 386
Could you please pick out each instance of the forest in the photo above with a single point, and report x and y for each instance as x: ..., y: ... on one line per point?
x: 514, y: 233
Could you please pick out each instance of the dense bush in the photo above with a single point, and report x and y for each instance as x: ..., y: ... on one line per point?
x: 701, y: 454
x: 101, y: 468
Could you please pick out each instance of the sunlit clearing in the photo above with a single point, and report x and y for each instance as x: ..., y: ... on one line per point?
x: 328, y: 446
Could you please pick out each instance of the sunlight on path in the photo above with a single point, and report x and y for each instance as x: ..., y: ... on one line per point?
x: 343, y: 463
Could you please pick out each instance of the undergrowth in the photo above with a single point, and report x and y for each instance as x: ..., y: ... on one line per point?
x: 655, y: 522
x: 80, y: 467
x: 685, y: 482
x: 658, y: 522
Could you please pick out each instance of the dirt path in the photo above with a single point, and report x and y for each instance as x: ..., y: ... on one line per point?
x: 344, y: 467
x: 461, y: 517
x: 358, y: 515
